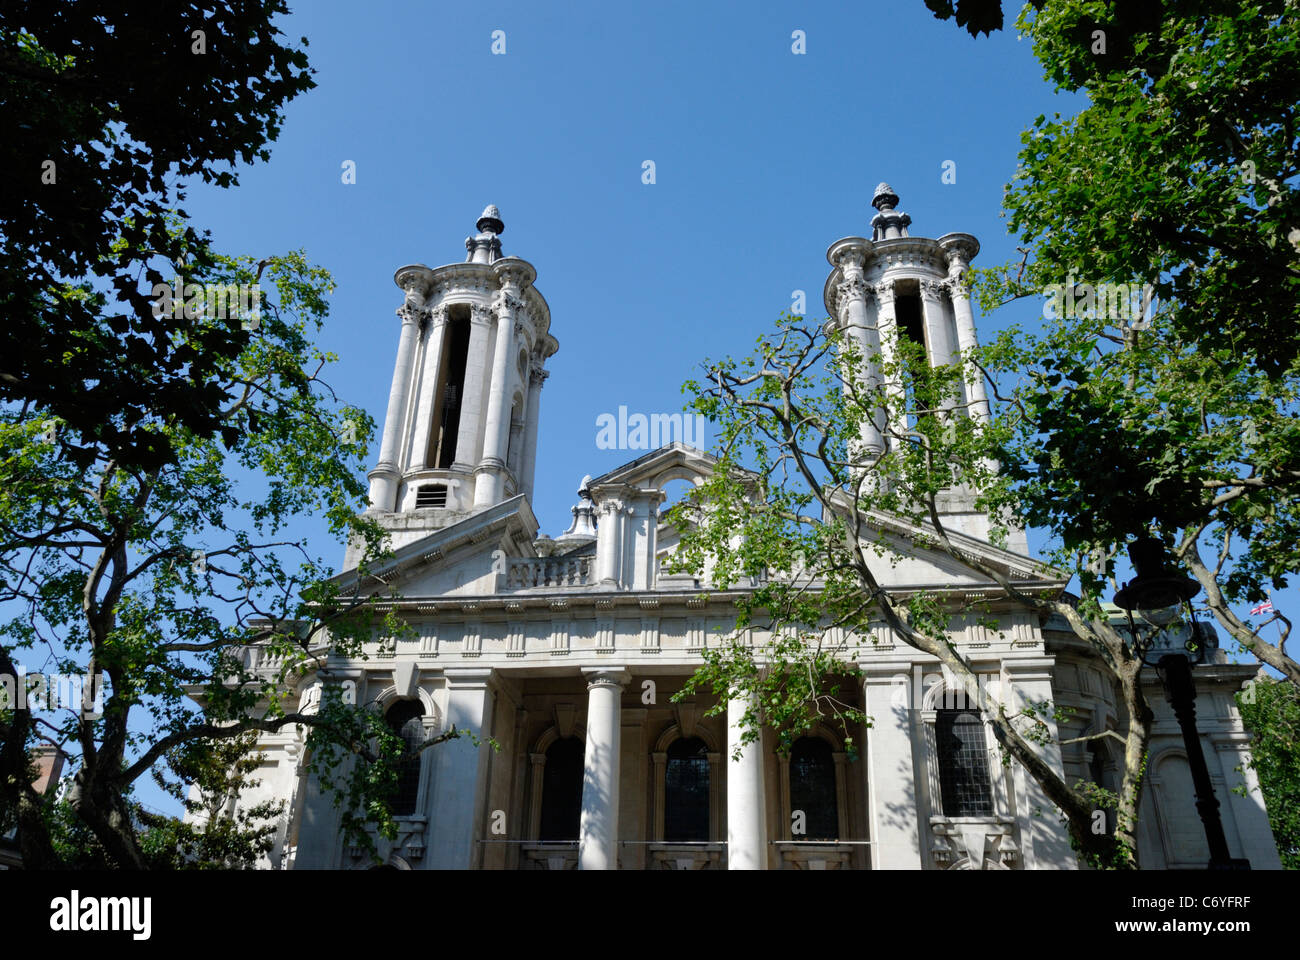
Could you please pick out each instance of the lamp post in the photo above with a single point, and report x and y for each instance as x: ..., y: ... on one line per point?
x: 1161, y: 595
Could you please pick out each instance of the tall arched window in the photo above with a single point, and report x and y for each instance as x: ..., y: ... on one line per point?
x: 686, y: 791
x: 404, y: 718
x: 812, y: 788
x: 562, y: 790
x: 964, y: 782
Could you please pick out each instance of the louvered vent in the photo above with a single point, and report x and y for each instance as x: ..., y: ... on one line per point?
x: 431, y: 495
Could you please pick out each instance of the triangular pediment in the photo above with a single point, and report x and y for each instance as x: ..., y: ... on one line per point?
x: 910, y: 557
x: 675, y: 461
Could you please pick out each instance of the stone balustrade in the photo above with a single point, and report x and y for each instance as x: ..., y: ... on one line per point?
x: 530, y: 572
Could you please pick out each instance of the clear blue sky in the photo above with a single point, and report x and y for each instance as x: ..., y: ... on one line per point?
x: 763, y: 159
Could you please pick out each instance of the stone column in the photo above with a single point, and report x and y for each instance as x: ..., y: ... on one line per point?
x: 496, y: 435
x: 609, y: 544
x: 430, y: 376
x: 384, y: 478
x: 887, y: 330
x: 939, y: 347
x: 598, y: 828
x: 892, y: 789
x: 471, y: 404
x: 746, y: 801
x: 852, y: 308
x: 460, y: 778
x: 537, y: 376
x: 964, y: 321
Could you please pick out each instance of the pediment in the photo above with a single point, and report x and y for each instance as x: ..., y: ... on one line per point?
x: 910, y: 557
x: 675, y: 461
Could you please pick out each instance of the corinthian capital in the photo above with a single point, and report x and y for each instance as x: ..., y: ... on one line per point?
x: 507, y: 301
x: 932, y: 289
x: 852, y: 288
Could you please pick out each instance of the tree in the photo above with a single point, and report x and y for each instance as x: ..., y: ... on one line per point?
x: 1179, y: 179
x: 1270, y: 709
x: 802, y: 506
x: 188, y: 580
x: 105, y: 106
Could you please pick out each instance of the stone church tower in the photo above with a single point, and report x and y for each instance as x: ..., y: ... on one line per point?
x: 461, y: 429
x: 896, y: 286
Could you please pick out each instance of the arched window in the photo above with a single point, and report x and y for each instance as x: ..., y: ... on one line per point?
x: 964, y: 781
x: 812, y: 788
x: 686, y: 791
x: 562, y: 790
x: 404, y: 718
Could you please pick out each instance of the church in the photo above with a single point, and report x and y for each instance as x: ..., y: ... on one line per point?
x: 566, y: 649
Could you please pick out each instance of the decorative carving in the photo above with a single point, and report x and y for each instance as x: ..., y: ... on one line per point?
x: 933, y: 289
x: 512, y: 274
x: 848, y: 257
x: 508, y: 301
x: 412, y: 308
x: 478, y: 313
x: 851, y: 288
x: 884, y: 290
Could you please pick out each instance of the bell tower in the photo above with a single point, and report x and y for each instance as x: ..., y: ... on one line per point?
x: 896, y: 286
x: 461, y: 429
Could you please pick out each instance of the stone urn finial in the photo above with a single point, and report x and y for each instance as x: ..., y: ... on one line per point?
x: 884, y: 198
x: 490, y: 221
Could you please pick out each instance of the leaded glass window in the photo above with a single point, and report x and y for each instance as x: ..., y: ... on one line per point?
x: 963, y: 764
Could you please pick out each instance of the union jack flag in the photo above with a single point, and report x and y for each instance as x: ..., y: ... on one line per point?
x: 1265, y: 607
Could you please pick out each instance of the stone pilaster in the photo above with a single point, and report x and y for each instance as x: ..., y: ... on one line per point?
x: 461, y: 776
x: 537, y: 377
x: 892, y: 793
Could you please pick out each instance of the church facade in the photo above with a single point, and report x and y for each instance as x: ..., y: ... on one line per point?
x: 567, y: 650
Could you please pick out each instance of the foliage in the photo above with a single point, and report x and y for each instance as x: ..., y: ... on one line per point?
x: 1178, y: 178
x: 837, y: 457
x: 1270, y: 710
x: 104, y: 106
x: 191, y: 589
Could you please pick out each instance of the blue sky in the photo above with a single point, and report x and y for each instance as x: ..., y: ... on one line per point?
x: 762, y: 158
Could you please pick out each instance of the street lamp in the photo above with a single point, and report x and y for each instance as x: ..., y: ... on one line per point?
x: 1162, y: 595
